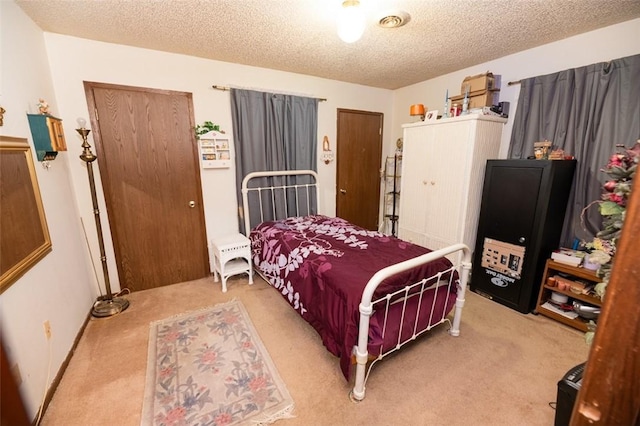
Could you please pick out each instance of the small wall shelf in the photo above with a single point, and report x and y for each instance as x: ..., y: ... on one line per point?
x: 215, y: 150
x: 47, y: 134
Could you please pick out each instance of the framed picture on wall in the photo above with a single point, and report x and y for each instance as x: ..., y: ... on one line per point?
x: 23, y: 226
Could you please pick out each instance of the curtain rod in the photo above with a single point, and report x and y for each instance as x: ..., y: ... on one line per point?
x: 511, y: 83
x: 229, y: 88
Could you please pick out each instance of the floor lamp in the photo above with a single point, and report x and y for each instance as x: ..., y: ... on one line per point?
x: 106, y: 305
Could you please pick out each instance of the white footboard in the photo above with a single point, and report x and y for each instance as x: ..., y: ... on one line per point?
x: 412, y: 290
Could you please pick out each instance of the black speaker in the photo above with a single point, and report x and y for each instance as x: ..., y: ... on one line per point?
x: 568, y: 389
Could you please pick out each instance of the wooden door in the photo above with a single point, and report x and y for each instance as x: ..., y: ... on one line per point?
x: 12, y: 409
x: 150, y: 174
x: 358, y: 167
x: 609, y: 392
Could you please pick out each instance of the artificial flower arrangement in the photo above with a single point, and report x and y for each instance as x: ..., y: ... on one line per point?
x: 621, y: 169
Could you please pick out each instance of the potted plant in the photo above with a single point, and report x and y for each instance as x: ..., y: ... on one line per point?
x: 206, y: 127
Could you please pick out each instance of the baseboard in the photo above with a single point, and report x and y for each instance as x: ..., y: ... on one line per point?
x: 61, y: 371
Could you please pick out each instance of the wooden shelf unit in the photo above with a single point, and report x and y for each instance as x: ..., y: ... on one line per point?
x: 392, y: 176
x: 555, y: 268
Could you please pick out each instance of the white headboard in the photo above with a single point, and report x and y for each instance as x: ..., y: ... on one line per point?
x: 279, y: 195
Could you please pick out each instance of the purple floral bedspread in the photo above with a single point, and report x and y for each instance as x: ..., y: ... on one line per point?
x: 321, y: 266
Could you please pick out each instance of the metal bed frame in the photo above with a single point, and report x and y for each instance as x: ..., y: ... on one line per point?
x: 301, y: 195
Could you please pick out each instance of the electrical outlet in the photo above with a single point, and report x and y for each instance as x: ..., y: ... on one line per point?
x: 15, y: 371
x: 47, y: 329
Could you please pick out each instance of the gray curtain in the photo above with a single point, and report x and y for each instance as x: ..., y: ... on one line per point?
x: 272, y: 132
x: 587, y: 112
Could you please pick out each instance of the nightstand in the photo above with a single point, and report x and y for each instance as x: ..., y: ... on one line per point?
x: 231, y: 256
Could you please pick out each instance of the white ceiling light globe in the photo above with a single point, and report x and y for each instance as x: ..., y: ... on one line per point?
x: 351, y: 22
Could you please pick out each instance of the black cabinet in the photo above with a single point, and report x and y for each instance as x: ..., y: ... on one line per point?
x: 521, y: 218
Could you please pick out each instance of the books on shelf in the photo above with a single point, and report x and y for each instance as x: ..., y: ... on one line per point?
x: 568, y: 256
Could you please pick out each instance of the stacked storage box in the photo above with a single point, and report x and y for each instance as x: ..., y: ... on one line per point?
x: 483, y: 90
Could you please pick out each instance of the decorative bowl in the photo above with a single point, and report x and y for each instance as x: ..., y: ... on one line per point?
x: 559, y: 297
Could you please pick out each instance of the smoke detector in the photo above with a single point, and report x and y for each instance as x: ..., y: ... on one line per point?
x: 393, y: 19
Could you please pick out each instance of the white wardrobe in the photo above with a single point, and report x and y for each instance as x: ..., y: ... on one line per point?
x: 442, y: 176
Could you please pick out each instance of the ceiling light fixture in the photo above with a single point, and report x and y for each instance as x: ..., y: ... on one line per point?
x: 351, y: 21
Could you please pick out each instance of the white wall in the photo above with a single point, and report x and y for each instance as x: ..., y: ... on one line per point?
x: 60, y: 287
x: 602, y: 45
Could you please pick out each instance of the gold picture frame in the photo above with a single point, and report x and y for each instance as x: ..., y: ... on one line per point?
x: 23, y: 225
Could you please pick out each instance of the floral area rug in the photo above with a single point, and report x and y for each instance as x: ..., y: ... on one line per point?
x: 210, y: 367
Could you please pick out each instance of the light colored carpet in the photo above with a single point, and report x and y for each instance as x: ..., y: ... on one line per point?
x: 503, y: 369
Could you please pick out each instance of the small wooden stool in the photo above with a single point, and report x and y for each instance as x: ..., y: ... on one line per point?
x: 231, y: 256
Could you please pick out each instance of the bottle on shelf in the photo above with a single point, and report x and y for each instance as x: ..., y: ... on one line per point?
x: 445, y: 112
x: 465, y: 102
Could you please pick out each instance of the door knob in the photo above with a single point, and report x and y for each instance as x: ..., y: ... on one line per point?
x: 521, y: 240
x: 343, y: 191
x: 192, y: 204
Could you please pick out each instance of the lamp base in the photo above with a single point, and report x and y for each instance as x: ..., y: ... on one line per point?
x: 107, y: 308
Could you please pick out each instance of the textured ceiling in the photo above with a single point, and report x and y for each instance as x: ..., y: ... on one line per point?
x: 300, y: 35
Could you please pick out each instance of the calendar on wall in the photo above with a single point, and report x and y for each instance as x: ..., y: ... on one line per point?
x: 215, y: 150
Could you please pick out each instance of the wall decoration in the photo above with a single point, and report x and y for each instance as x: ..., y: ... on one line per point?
x: 43, y: 106
x: 327, y: 153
